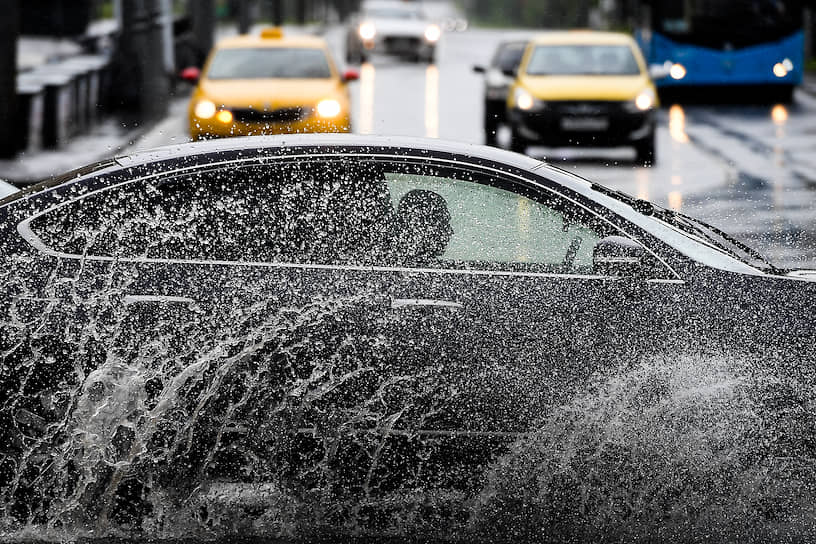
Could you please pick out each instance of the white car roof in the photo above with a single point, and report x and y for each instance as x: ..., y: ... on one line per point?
x: 7, y: 189
x: 391, y: 4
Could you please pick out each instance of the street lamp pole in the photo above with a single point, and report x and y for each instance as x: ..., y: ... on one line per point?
x: 9, y: 29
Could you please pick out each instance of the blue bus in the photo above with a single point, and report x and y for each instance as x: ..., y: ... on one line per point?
x: 755, y: 44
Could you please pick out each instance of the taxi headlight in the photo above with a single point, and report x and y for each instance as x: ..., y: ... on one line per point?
x: 224, y: 116
x: 328, y: 108
x: 205, y: 109
x: 432, y: 33
x: 525, y: 101
x: 645, y: 100
x: 367, y: 31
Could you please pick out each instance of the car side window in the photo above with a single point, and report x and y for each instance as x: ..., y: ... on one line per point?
x: 509, y: 57
x: 486, y: 225
x: 331, y: 212
x: 322, y: 213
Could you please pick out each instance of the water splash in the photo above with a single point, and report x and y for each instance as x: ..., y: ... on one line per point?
x: 688, y: 450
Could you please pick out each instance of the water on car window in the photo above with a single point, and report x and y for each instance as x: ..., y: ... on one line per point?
x: 568, y: 60
x: 331, y: 215
x: 269, y: 63
x: 327, y: 216
x: 493, y: 225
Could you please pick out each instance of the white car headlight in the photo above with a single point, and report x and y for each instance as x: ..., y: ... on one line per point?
x: 525, y: 101
x: 433, y: 33
x: 205, y: 109
x: 367, y: 31
x: 328, y: 108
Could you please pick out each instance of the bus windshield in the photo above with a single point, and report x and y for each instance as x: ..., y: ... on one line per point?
x: 727, y: 24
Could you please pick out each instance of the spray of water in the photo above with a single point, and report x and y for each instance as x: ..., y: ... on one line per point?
x: 687, y: 450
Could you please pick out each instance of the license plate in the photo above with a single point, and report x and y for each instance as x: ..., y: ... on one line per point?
x: 584, y: 123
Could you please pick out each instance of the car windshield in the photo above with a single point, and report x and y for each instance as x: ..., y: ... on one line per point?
x: 270, y: 63
x: 740, y: 23
x: 392, y: 13
x: 698, y: 230
x: 563, y: 60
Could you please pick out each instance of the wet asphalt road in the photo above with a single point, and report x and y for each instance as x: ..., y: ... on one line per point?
x: 750, y: 170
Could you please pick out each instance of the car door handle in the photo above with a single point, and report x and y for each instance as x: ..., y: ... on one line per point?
x: 398, y: 303
x: 162, y: 299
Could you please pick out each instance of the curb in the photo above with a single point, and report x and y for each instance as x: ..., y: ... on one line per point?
x: 30, y: 168
x: 107, y: 140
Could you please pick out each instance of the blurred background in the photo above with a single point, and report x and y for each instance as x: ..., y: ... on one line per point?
x: 84, y: 80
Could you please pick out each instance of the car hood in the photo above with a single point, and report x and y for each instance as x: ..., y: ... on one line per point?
x: 584, y: 87
x: 399, y: 27
x: 268, y: 93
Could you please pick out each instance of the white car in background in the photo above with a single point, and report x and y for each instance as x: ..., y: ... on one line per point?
x: 7, y: 189
x: 392, y: 27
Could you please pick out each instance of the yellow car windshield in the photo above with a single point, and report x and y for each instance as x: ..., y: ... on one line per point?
x: 573, y: 60
x: 269, y: 62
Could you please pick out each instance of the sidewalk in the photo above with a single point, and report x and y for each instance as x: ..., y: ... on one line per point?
x: 107, y: 139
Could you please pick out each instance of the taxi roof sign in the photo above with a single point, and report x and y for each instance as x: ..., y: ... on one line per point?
x: 272, y: 33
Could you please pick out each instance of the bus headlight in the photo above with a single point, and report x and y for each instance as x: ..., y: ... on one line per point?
x: 328, y: 108
x: 677, y: 71
x: 432, y: 33
x: 781, y: 69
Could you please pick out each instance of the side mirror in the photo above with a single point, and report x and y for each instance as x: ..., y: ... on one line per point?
x: 511, y: 73
x: 190, y: 74
x: 660, y: 71
x: 618, y: 256
x: 479, y: 69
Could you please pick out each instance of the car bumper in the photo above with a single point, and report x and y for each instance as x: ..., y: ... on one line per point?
x: 572, y: 123
x: 210, y: 128
x: 399, y: 45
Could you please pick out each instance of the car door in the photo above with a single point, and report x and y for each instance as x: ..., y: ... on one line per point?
x: 515, y: 308
x: 238, y: 318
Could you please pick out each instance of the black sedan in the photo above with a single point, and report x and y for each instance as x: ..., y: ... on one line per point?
x: 499, y: 75
x: 310, y: 337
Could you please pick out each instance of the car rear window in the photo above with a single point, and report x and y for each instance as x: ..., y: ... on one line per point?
x: 556, y: 60
x: 270, y: 62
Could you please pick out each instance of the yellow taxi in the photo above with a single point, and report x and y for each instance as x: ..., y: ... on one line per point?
x: 269, y: 84
x: 583, y: 88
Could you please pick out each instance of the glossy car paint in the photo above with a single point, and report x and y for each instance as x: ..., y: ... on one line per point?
x: 503, y: 347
